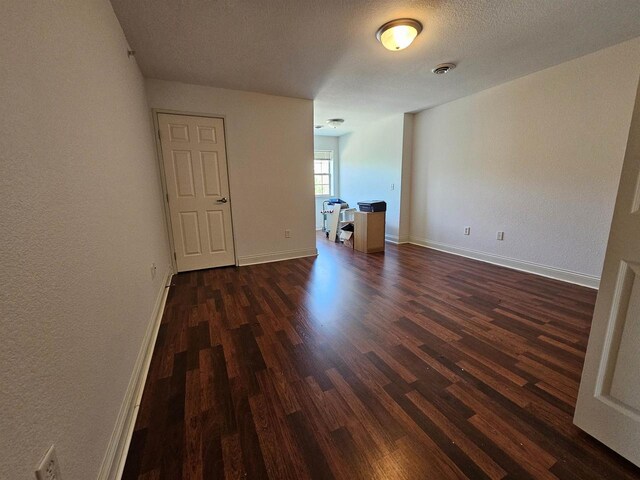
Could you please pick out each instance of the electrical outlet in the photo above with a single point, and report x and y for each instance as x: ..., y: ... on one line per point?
x: 154, y: 270
x: 500, y: 236
x: 49, y: 468
x: 467, y: 230
x: 287, y: 234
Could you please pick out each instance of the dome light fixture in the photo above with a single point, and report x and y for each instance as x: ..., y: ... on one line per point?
x: 398, y: 34
x: 335, y: 122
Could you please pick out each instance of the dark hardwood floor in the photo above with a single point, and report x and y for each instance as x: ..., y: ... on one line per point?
x: 409, y: 364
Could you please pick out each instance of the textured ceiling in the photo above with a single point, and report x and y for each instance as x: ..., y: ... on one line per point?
x: 326, y: 50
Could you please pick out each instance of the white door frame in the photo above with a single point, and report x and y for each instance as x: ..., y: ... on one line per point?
x: 163, y: 179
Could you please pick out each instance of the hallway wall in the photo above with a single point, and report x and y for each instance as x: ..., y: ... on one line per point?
x: 81, y: 223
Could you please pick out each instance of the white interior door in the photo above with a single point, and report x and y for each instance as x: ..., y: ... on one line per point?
x: 609, y: 399
x: 195, y: 168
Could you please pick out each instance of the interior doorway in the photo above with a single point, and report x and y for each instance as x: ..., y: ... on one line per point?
x: 196, y: 181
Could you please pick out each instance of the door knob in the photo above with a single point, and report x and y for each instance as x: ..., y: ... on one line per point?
x: 223, y: 200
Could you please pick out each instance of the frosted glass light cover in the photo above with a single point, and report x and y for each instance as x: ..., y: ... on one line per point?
x: 399, y: 37
x: 398, y: 34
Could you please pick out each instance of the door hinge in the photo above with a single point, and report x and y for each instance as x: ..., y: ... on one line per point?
x: 175, y: 257
x: 159, y: 136
x: 167, y: 197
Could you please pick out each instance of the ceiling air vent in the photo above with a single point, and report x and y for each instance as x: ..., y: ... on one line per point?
x: 443, y: 68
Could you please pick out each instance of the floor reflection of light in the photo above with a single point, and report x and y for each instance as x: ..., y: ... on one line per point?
x: 327, y: 291
x: 333, y: 286
x: 338, y: 287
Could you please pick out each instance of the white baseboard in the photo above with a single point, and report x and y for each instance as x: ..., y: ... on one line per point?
x: 585, y: 280
x: 115, y: 457
x: 276, y: 256
x: 396, y: 239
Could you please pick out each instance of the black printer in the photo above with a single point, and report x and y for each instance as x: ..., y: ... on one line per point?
x: 373, y: 206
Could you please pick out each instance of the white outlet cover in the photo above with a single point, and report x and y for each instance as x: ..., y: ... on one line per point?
x: 49, y: 467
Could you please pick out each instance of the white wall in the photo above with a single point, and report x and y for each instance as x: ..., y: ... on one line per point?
x: 80, y: 225
x: 538, y: 158
x: 407, y: 164
x: 322, y: 142
x: 270, y: 158
x: 370, y: 162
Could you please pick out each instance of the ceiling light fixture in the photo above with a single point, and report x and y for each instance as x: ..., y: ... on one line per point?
x: 398, y: 34
x: 335, y: 122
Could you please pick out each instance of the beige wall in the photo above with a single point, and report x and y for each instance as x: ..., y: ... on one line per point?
x: 80, y: 224
x: 270, y: 157
x: 407, y: 163
x: 370, y: 162
x: 538, y: 158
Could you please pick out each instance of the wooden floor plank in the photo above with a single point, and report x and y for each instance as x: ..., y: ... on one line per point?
x: 411, y: 363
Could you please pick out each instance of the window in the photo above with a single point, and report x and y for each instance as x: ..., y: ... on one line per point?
x: 323, y: 172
